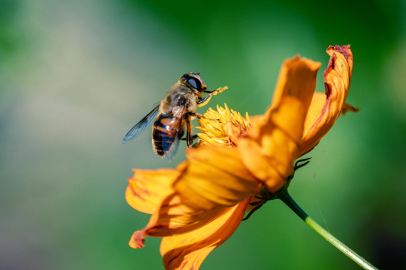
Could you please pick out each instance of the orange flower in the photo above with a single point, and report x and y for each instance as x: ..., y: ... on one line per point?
x: 196, y: 207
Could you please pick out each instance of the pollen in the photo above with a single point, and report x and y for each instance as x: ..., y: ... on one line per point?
x: 222, y: 127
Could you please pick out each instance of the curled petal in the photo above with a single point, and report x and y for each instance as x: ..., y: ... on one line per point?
x: 147, y: 188
x: 325, y: 108
x: 271, y: 146
x: 215, y: 176
x: 137, y: 240
x: 188, y: 251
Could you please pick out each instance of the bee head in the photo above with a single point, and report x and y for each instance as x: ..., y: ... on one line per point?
x: 193, y: 80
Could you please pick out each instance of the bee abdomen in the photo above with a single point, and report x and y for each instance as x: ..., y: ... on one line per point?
x: 164, y: 133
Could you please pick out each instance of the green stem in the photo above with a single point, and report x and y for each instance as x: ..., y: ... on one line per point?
x: 287, y: 199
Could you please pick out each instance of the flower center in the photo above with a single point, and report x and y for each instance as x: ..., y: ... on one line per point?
x: 222, y: 127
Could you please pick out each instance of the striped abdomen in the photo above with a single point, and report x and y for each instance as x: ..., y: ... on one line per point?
x: 167, y: 128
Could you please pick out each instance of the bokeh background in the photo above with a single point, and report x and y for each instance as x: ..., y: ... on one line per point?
x: 76, y: 75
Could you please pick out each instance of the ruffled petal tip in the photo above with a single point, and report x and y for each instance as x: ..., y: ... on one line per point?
x: 137, y: 240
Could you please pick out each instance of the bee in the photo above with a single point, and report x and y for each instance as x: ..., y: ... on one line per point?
x: 176, y: 110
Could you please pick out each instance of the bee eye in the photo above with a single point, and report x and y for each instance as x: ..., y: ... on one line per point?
x: 192, y: 82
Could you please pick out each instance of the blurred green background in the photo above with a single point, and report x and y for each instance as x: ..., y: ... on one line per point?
x: 76, y: 75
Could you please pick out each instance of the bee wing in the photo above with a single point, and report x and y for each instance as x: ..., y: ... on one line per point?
x: 141, y: 125
x: 174, y: 148
x: 179, y: 133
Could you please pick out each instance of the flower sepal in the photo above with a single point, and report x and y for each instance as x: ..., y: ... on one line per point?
x: 265, y: 195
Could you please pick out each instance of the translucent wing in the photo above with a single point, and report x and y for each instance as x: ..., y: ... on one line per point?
x: 174, y: 148
x: 179, y: 133
x: 141, y: 125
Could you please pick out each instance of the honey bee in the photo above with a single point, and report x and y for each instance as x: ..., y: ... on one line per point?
x: 176, y: 110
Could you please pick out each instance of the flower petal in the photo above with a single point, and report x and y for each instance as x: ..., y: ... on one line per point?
x: 188, y: 251
x: 172, y: 218
x: 215, y: 176
x: 272, y: 145
x: 326, y: 108
x: 147, y: 188
x: 297, y: 78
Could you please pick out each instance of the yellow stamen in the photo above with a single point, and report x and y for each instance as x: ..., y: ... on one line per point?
x: 226, y: 127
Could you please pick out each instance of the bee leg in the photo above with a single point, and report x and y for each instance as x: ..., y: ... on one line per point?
x: 201, y: 116
x: 189, y: 136
x: 209, y: 92
x: 193, y: 138
x: 203, y: 101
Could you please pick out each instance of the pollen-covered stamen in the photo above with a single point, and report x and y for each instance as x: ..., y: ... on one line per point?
x: 229, y: 125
